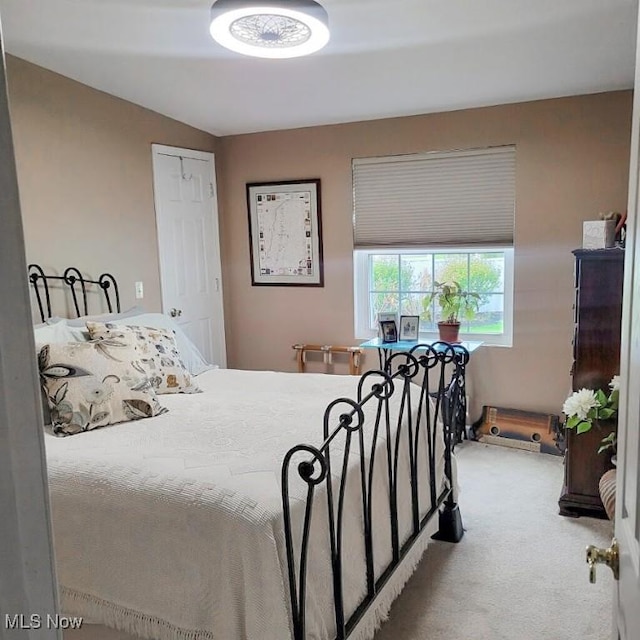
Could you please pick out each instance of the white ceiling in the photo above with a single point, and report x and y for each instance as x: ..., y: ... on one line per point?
x: 385, y: 58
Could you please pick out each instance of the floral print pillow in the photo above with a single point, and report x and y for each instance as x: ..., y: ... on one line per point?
x: 159, y: 355
x: 94, y: 384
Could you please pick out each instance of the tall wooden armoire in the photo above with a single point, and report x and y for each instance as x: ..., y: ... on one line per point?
x: 596, y: 359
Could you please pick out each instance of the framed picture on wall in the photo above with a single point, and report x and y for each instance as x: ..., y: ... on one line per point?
x: 285, y: 233
x: 409, y: 327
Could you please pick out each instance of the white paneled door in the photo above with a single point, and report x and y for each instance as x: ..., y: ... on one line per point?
x: 189, y: 246
x: 627, y: 525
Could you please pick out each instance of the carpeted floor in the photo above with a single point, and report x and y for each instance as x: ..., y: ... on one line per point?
x: 519, y: 573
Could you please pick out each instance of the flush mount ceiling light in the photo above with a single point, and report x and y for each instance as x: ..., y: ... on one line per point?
x: 270, y: 29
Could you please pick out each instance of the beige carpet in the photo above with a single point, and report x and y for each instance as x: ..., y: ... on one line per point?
x: 519, y: 573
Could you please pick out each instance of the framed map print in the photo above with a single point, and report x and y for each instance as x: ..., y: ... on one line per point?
x: 285, y: 233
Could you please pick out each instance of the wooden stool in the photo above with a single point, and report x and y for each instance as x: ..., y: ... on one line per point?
x: 328, y: 351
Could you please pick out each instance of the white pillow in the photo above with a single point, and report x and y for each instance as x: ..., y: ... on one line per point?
x: 189, y: 354
x: 53, y: 333
x: 105, y: 317
x: 78, y: 326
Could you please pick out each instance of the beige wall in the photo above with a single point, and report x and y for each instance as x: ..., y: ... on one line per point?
x: 85, y: 177
x: 572, y: 162
x: 84, y: 169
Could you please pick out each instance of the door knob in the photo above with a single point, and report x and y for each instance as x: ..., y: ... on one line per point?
x: 610, y: 557
x: 174, y: 313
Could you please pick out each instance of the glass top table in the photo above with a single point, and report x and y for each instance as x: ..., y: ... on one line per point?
x: 407, y: 345
x: 457, y: 414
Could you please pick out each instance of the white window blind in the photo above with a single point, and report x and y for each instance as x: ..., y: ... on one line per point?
x: 435, y: 199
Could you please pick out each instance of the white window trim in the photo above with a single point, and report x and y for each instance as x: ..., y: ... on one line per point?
x: 361, y: 293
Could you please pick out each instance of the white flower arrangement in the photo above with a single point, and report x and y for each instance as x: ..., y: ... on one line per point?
x: 587, y: 407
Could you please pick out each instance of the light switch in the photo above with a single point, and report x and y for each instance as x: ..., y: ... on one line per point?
x: 139, y: 291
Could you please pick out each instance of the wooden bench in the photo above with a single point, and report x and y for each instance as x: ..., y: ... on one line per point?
x: 328, y: 351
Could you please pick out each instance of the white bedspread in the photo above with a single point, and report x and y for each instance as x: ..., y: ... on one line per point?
x: 171, y: 527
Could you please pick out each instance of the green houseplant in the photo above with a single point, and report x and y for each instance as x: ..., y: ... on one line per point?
x: 455, y: 303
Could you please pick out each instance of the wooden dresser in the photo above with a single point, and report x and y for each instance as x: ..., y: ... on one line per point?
x: 596, y: 359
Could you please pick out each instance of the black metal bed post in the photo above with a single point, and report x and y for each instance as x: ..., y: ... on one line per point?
x: 105, y: 282
x: 345, y: 421
x: 35, y: 275
x: 407, y: 369
x: 462, y: 360
x: 297, y: 584
x: 450, y: 521
x: 72, y: 275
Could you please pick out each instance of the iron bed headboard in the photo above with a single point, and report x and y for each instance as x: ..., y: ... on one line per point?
x: 418, y: 426
x: 77, y: 285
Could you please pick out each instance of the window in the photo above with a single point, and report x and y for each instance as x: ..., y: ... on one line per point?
x: 401, y: 281
x: 435, y: 217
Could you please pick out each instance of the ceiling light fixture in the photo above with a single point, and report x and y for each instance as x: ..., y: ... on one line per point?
x: 270, y: 28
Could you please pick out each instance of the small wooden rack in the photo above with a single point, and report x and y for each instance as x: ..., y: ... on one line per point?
x: 328, y: 351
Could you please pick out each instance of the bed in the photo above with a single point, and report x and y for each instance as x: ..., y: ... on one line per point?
x: 269, y: 506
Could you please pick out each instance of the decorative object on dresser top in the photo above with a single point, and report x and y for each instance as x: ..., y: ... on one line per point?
x: 596, y: 360
x: 318, y: 538
x: 604, y: 233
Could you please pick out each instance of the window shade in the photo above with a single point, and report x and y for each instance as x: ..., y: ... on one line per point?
x: 434, y: 199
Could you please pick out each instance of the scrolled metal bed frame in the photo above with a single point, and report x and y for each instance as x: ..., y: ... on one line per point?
x: 77, y: 285
x: 427, y: 383
x: 419, y: 425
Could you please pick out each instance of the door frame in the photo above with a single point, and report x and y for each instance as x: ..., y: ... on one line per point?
x: 162, y: 149
x: 28, y: 585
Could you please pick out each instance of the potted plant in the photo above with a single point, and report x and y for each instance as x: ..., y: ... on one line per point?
x: 454, y: 303
x: 586, y: 408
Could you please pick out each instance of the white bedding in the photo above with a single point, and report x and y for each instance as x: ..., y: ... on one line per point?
x: 171, y: 527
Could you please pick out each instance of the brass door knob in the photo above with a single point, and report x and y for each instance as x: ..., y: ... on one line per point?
x: 609, y: 556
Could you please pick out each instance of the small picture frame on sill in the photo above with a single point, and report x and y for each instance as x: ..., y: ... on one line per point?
x: 389, y: 331
x: 409, y: 328
x: 384, y: 316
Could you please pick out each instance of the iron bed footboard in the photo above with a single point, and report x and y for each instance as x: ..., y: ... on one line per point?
x: 426, y: 405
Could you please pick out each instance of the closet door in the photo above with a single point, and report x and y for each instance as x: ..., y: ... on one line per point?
x: 189, y: 246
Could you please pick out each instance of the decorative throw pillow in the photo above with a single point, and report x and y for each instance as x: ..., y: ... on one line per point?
x: 94, y: 384
x: 48, y: 333
x: 159, y: 355
x: 192, y: 359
